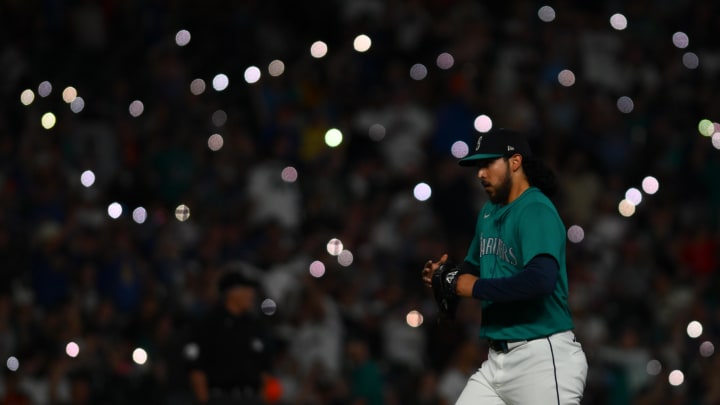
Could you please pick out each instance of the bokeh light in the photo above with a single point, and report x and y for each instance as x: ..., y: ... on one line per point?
x: 633, y: 195
x: 650, y: 185
x: 376, y: 132
x: 362, y: 43
x: 626, y: 208
x: 182, y: 37
x: 680, y: 40
x: 345, y: 258
x: 48, y: 120
x: 459, y: 149
x: 136, y: 108
x: 27, y: 97
x: 445, y: 61
x: 546, y: 14
x: 276, y: 68
x: 72, y: 349
x: 139, y: 356
x: 220, y: 82
x: 690, y: 60
x: 333, y: 137
x: 215, y: 142
x: 707, y: 349
x: 694, y: 329
x: 219, y: 118
x: 483, y: 123
x: 676, y: 378
x: 625, y: 104
x: 77, y: 105
x: 44, y: 89
x: 575, y: 234
x: 69, y: 94
x: 706, y: 127
x: 317, y: 269
x: 653, y: 367
x: 12, y: 363
x: 252, y: 74
x: 289, y: 174
x: 414, y: 319
x: 182, y: 212
x: 566, y: 78
x: 618, y: 21
x: 114, y: 210
x: 197, y: 86
x: 715, y: 139
x: 418, y: 71
x: 268, y: 307
x: 422, y: 192
x: 334, y: 246
x: 139, y: 215
x: 318, y: 49
x: 87, y: 178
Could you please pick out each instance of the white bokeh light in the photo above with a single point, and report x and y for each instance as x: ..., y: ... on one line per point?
x: 268, y: 307
x: 333, y: 137
x: 566, y: 78
x: 633, y: 195
x: 276, y: 68
x: 345, y: 258
x: 182, y: 37
x: 77, y: 105
x: 12, y: 363
x: 676, y: 378
x: 418, y: 71
x: 27, y: 97
x: 694, y: 329
x: 715, y: 140
x: 289, y: 174
x: 139, y: 215
x: 680, y: 40
x: 414, y: 319
x: 483, y: 123
x: 459, y: 149
x: 318, y: 49
x: 72, y: 349
x: 546, y: 14
x: 422, y: 192
x: 252, y: 74
x: 362, y: 43
x: 445, y: 61
x: 139, y: 356
x: 114, y: 210
x: 87, y: 178
x: 625, y: 104
x: 136, y: 108
x: 334, y: 246
x: 182, y: 212
x: 215, y: 142
x: 575, y: 234
x: 220, y: 82
x: 650, y: 185
x: 197, y: 86
x: 618, y: 21
x: 317, y: 269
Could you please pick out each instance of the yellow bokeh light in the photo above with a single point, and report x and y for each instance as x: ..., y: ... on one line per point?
x: 48, y: 120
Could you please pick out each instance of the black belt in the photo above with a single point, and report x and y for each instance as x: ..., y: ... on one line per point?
x: 505, y: 346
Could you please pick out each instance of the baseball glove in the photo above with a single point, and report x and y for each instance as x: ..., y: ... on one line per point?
x: 444, y: 287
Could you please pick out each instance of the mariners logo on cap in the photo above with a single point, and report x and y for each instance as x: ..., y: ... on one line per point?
x: 477, y: 147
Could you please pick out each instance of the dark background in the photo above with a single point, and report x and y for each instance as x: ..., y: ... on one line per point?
x: 72, y: 273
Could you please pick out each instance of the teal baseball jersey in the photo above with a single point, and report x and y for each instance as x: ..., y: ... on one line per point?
x: 506, y: 238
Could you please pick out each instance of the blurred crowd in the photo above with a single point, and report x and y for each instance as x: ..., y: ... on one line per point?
x: 72, y: 273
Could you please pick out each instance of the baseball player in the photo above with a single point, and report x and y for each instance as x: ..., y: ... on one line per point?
x: 515, y: 267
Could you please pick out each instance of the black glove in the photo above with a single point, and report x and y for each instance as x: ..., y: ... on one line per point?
x: 444, y: 286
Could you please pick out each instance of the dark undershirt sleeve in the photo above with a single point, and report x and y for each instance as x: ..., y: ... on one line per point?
x: 538, y: 278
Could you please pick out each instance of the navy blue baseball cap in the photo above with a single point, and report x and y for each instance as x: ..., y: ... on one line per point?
x: 497, y: 143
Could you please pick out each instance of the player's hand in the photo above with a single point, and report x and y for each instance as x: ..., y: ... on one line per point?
x: 430, y: 268
x: 465, y: 284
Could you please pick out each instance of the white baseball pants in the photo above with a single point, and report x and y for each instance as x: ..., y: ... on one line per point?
x: 544, y: 371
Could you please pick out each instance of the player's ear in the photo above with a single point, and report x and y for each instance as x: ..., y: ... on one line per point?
x: 515, y: 161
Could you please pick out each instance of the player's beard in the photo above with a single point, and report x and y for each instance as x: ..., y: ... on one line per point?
x: 501, y: 194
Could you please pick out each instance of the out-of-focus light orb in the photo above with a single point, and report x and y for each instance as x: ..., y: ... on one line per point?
x: 418, y: 71
x: 219, y: 118
x: 376, y: 132
x: 575, y: 234
x: 114, y: 210
x: 215, y: 142
x: 27, y: 97
x: 136, y: 108
x: 268, y: 307
x: 445, y: 61
x: 483, y: 123
x: 706, y: 127
x: 276, y: 68
x: 182, y: 212
x: 694, y: 329
x: 362, y: 43
x: 139, y: 215
x: 12, y: 363
x: 625, y: 104
x: 182, y: 37
x: 459, y: 149
x: 191, y: 351
x: 653, y: 367
x: 139, y: 356
x: 414, y: 319
x: 680, y: 40
x: 220, y: 82
x: 333, y: 137
x: 318, y: 49
x: 618, y: 21
x: 69, y: 94
x: 252, y: 74
x: 546, y: 14
x: 707, y: 349
x: 422, y: 192
x: 197, y: 86
x: 77, y: 105
x: 317, y: 269
x: 44, y: 89
x: 690, y: 60
x: 633, y: 195
x: 48, y: 120
x: 289, y: 174
x: 676, y: 378
x: 566, y: 78
x: 715, y: 139
x: 334, y: 246
x: 72, y: 349
x: 345, y: 258
x: 626, y: 208
x: 87, y: 178
x: 650, y: 185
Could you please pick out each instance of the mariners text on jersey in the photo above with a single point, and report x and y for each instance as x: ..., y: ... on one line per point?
x: 496, y: 246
